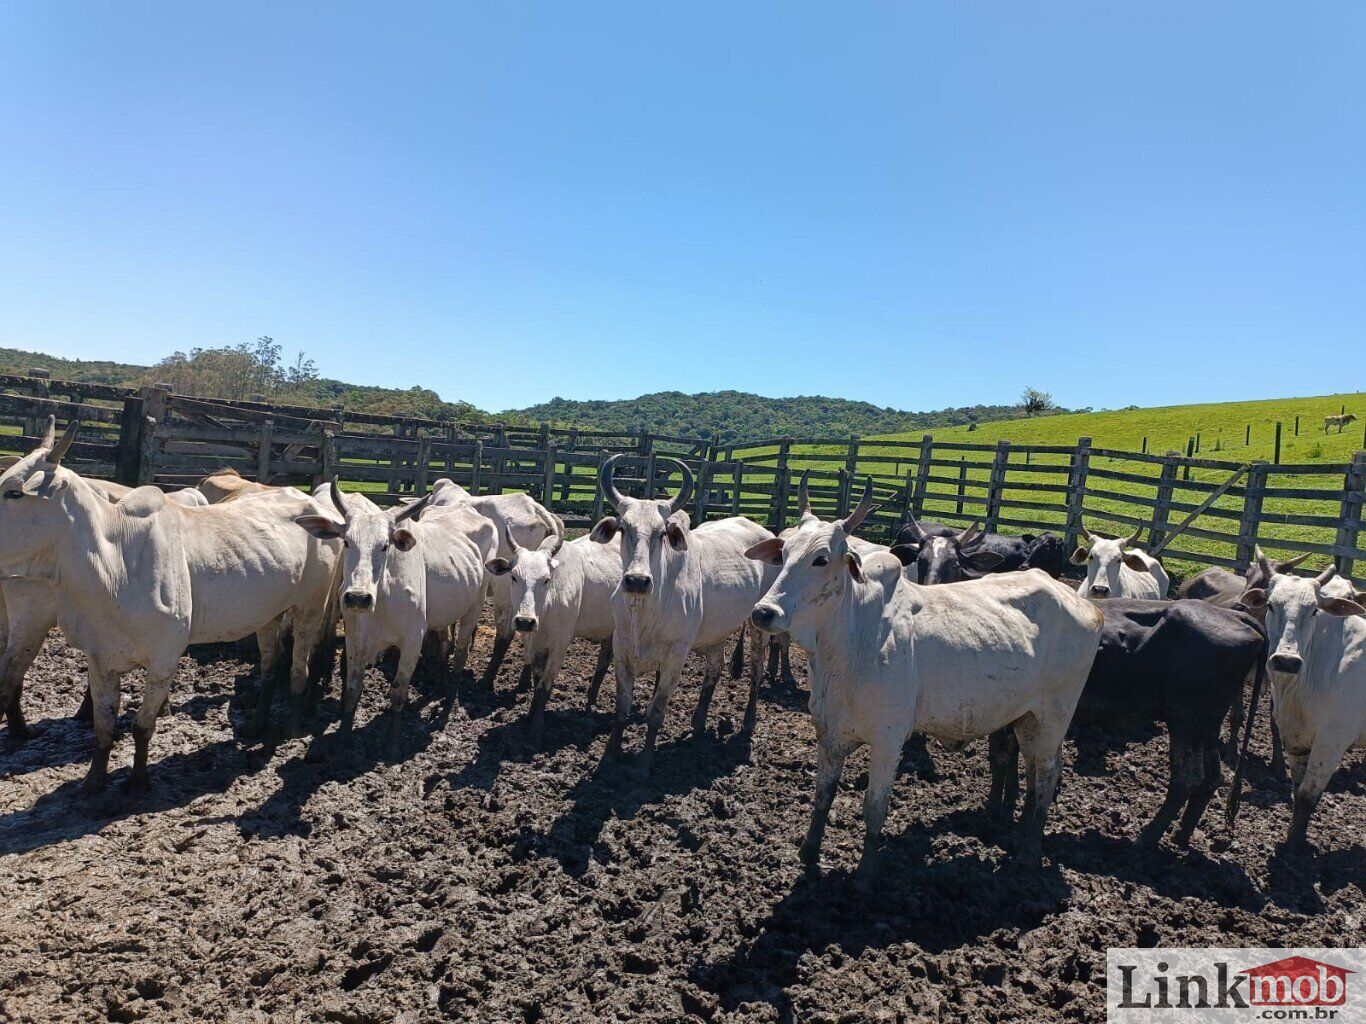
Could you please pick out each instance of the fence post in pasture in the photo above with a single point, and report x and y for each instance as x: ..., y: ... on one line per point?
x: 263, y: 451
x: 782, y: 484
x: 1197, y: 442
x: 1076, y: 491
x: 327, y: 458
x: 922, y: 472
x: 703, y: 493
x: 907, y: 494
x: 450, y: 450
x: 738, y: 475
x: 996, y: 484
x: 153, y: 415
x: 396, y: 459
x: 476, y: 464
x: 39, y: 387
x: 1353, y: 507
x: 850, y: 469
x: 1277, y: 458
x: 1162, y: 510
x: 424, y: 463
x: 500, y: 438
x: 962, y: 481
x: 843, y: 491
x: 548, y: 478
x: 1190, y: 454
x: 1297, y: 426
x: 1254, y: 492
x: 1247, y: 432
x: 1145, y: 445
x: 130, y: 442
x: 569, y: 465
x: 650, y: 473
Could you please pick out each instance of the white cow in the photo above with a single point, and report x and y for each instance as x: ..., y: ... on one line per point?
x: 559, y: 591
x: 1115, y: 568
x: 890, y: 657
x: 681, y: 590
x: 1316, y: 643
x: 139, y: 580
x: 518, y: 516
x: 401, y: 577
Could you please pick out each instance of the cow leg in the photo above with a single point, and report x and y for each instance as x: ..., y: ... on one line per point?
x: 772, y: 671
x: 1185, y: 770
x: 714, y: 657
x: 1003, y: 753
x: 398, y: 692
x: 784, y: 643
x: 464, y: 640
x: 1212, y: 775
x: 1235, y: 725
x: 757, y: 642
x: 546, y: 668
x: 86, y: 712
x: 599, y: 672
x: 1317, y: 769
x: 626, y: 689
x: 829, y: 765
x: 1041, y: 745
x: 666, y: 681
x: 104, y: 711
x: 502, y: 640
x: 883, y: 761
x: 268, y: 640
x: 155, y: 692
x: 1277, y: 748
x: 308, y: 628
x: 14, y: 665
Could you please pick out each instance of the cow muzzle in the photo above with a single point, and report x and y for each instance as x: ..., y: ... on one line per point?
x: 358, y: 600
x: 769, y: 618
x: 1287, y: 663
x: 637, y: 583
x: 1099, y: 591
x: 525, y: 623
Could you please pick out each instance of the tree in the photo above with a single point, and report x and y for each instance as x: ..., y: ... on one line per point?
x: 1033, y: 401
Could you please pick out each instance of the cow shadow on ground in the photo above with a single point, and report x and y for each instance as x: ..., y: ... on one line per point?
x: 938, y: 906
x: 616, y: 789
x: 1174, y: 873
x: 511, y: 743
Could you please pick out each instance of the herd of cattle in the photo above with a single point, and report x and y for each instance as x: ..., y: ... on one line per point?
x: 955, y: 634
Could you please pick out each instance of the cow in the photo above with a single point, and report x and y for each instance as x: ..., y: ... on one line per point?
x: 943, y: 555
x: 402, y: 576
x: 1340, y: 422
x: 681, y: 590
x: 890, y: 657
x: 559, y: 591
x: 227, y: 484
x: 1182, y: 663
x: 1316, y: 644
x: 1115, y: 568
x: 140, y: 579
x: 528, y: 523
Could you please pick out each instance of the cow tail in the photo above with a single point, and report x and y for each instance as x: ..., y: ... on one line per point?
x: 737, y: 660
x: 1231, y: 812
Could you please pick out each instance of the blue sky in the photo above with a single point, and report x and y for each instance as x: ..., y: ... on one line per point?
x: 918, y: 205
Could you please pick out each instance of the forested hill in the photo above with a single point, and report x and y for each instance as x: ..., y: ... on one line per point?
x: 727, y: 416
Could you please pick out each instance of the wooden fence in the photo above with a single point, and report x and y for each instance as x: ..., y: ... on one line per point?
x: 1200, y: 511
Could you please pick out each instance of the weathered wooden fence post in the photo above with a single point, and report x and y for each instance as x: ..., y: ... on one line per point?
x: 702, y: 494
x: 650, y: 470
x: 1254, y: 493
x: 569, y: 465
x: 1277, y: 457
x: 1076, y: 491
x: 130, y: 442
x: 263, y: 451
x: 922, y: 472
x: 153, y: 415
x: 450, y: 450
x: 781, y: 484
x: 500, y: 438
x: 548, y: 478
x: 396, y: 459
x: 962, y: 483
x: 476, y: 465
x: 1190, y: 454
x: 327, y: 458
x: 424, y: 462
x: 40, y: 386
x: 1353, y: 506
x: 996, y: 484
x: 1162, y: 511
x: 738, y: 475
x: 847, y: 481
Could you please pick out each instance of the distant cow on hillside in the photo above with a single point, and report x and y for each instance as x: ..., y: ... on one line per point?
x: 1345, y: 419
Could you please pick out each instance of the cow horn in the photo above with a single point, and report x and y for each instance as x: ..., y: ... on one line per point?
x: 1084, y: 531
x: 552, y: 544
x: 50, y: 434
x: 971, y: 535
x: 513, y: 546
x: 1264, y: 564
x: 684, y: 489
x: 608, y: 484
x: 339, y: 501
x: 1325, y: 576
x: 803, y: 495
x: 865, y: 506
x: 413, y: 508
x: 1290, y: 563
x: 913, y: 525
x: 1133, y: 537
x: 59, y: 450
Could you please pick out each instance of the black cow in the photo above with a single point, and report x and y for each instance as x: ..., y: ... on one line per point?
x: 944, y: 555
x: 1178, y: 662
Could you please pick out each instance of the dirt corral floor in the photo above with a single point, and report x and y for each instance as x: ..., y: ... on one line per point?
x: 473, y: 878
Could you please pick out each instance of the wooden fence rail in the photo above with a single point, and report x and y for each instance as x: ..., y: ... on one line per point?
x: 1193, y: 508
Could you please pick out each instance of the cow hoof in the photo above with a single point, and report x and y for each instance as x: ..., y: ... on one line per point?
x: 748, y: 725
x: 94, y: 784
x: 317, y: 750
x: 137, y: 782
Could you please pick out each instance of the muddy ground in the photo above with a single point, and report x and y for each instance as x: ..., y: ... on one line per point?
x: 473, y: 878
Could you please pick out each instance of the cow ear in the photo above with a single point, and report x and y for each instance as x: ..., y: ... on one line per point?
x: 1254, y: 598
x: 320, y: 526
x: 855, y: 564
x: 1135, y: 561
x: 498, y: 566
x: 770, y: 551
x: 1341, y: 606
x: 678, y: 536
x: 906, y: 554
x: 984, y: 561
x: 1079, y: 556
x: 43, y: 484
x: 604, y: 530
x: 403, y: 538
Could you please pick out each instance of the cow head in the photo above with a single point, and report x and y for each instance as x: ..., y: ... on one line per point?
x: 1292, y: 605
x: 1103, y: 558
x: 944, y: 559
x: 27, y: 491
x: 649, y: 529
x: 370, y: 537
x: 818, y: 566
x: 530, y: 570
x: 1047, y: 552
